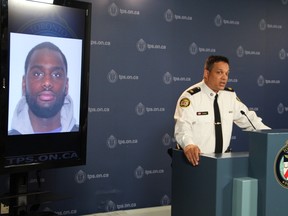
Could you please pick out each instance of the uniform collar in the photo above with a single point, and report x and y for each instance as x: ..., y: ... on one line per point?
x: 208, y: 91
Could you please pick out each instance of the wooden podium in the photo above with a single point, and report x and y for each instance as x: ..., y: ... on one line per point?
x: 207, y: 189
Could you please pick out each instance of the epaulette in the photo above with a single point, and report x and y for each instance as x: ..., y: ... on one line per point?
x: 229, y: 89
x: 194, y: 90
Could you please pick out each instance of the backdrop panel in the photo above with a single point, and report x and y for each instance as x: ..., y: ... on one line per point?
x: 143, y: 55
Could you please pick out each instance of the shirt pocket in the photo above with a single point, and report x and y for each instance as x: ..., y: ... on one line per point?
x: 204, y: 118
x: 227, y: 115
x: 203, y: 125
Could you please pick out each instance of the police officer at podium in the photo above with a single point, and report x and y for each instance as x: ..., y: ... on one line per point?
x: 206, y: 111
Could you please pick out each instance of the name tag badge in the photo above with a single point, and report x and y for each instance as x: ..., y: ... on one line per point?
x: 202, y: 113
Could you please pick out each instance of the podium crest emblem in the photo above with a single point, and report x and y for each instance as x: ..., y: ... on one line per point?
x: 281, y: 166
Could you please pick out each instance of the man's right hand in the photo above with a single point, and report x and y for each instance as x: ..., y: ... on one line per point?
x: 192, y: 153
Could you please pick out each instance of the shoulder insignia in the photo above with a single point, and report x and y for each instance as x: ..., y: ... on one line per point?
x: 229, y: 89
x: 194, y: 90
x: 185, y: 102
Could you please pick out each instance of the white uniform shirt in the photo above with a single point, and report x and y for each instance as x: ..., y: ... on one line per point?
x: 194, y: 117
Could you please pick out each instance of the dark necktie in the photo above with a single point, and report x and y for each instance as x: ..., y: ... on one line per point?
x: 218, y: 128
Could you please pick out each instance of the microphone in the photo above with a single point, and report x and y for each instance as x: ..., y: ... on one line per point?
x: 243, y: 113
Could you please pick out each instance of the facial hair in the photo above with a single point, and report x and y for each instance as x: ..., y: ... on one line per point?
x: 44, y: 112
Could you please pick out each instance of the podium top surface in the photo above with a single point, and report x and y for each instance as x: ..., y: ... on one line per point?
x: 226, y: 155
x: 272, y: 131
x: 179, y: 153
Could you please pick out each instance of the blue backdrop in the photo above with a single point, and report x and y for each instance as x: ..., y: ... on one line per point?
x: 143, y: 55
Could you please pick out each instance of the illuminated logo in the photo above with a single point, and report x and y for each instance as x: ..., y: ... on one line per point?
x: 281, y: 108
x: 218, y: 20
x: 80, y: 177
x: 261, y: 81
x: 167, y: 78
x: 281, y: 166
x: 165, y: 200
x: 113, y: 10
x: 139, y: 172
x: 169, y: 15
x: 112, y: 76
x: 141, y: 45
x: 110, y: 206
x: 193, y: 48
x: 140, y: 109
x: 240, y: 51
x: 262, y: 25
x: 166, y: 139
x: 282, y: 54
x: 112, y: 142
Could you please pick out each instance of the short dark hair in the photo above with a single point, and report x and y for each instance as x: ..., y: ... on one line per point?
x: 214, y: 59
x: 44, y: 45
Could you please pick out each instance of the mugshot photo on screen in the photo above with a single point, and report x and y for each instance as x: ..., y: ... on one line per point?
x: 44, y: 84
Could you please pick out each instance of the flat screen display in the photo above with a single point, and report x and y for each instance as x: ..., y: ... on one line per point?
x: 45, y: 78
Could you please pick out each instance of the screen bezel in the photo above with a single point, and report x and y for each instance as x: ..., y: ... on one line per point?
x: 70, y: 144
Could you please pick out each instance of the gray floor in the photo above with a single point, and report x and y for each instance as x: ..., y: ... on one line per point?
x: 154, y: 211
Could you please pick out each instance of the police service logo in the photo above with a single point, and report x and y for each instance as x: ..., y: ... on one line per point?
x: 165, y: 200
x: 240, y: 51
x: 112, y: 142
x: 80, y: 177
x: 185, y: 102
x: 55, y: 26
x: 166, y: 139
x: 139, y: 172
x: 281, y: 166
x: 110, y: 206
x: 218, y: 20
x: 47, y: 209
x: 113, y: 10
x: 112, y: 76
x: 262, y: 25
x: 140, y: 109
x: 169, y: 15
x: 167, y: 78
x: 281, y: 108
x: 141, y: 45
x: 193, y: 48
x: 260, y: 81
x: 282, y: 54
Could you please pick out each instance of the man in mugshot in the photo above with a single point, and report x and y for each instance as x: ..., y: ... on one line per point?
x: 45, y: 106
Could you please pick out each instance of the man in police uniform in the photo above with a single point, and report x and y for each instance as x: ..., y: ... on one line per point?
x: 194, y: 115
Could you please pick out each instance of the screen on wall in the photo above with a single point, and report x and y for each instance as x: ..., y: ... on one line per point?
x: 44, y: 91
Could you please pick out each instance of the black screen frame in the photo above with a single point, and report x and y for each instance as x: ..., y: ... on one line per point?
x: 43, y: 151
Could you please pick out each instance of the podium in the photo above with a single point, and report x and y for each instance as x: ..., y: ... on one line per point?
x: 207, y: 189
x: 267, y: 150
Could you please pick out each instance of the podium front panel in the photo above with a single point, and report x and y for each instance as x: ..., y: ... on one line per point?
x: 205, y: 189
x: 266, y: 149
